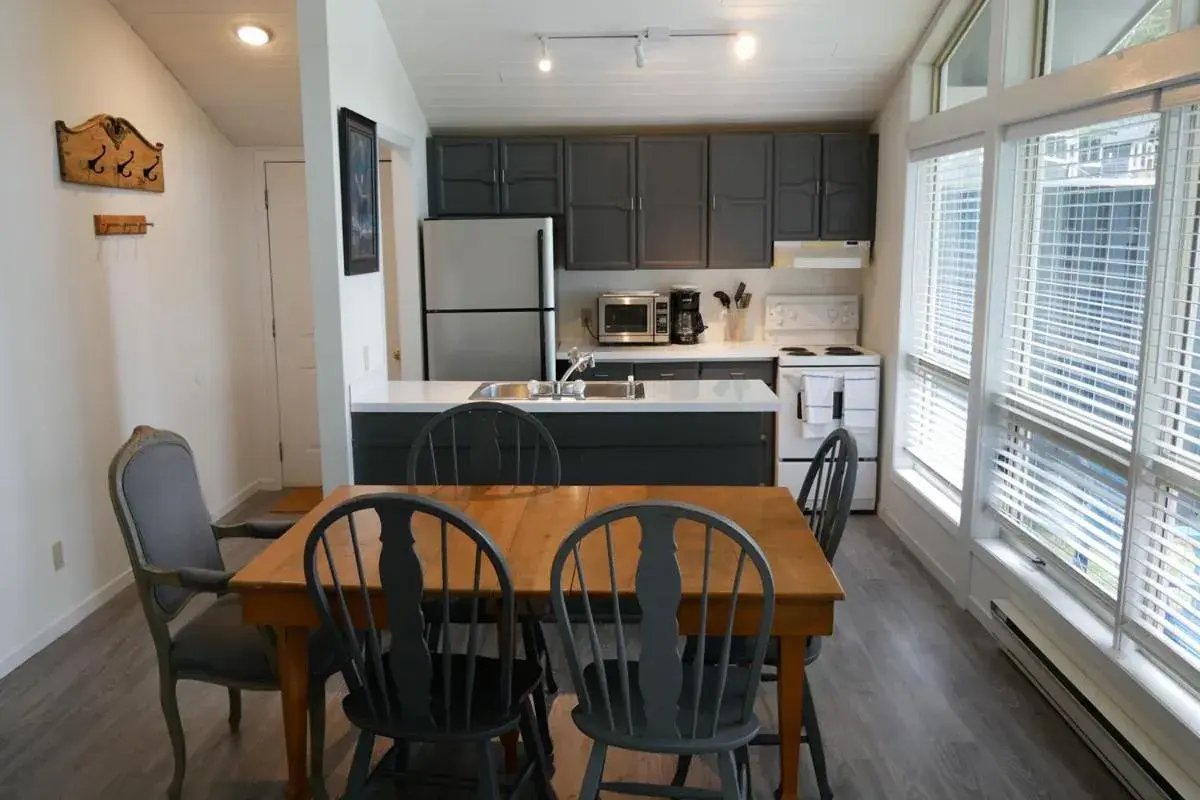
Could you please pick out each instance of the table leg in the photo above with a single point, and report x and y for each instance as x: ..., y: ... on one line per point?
x: 791, y: 716
x: 293, y: 684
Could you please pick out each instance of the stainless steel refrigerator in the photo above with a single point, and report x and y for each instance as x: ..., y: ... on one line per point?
x: 488, y: 290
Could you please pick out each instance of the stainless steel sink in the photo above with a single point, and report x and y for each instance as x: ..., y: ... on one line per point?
x: 614, y: 390
x: 546, y: 390
x: 526, y: 390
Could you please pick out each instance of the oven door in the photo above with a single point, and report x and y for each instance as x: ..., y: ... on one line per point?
x: 626, y: 320
x: 856, y: 404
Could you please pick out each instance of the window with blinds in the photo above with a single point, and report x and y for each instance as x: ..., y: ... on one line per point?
x: 1163, y: 596
x: 939, y: 365
x: 1075, y: 320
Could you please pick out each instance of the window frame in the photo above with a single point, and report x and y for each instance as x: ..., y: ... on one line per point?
x: 1044, y: 32
x: 952, y: 44
x: 916, y: 367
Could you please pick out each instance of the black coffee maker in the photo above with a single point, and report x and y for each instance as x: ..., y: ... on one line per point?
x: 686, y: 322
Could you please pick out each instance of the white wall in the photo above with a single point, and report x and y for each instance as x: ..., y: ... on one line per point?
x: 884, y: 310
x: 348, y: 59
x: 576, y: 290
x: 97, y: 336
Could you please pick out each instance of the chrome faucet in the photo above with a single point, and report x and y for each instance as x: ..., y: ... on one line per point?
x: 579, y: 361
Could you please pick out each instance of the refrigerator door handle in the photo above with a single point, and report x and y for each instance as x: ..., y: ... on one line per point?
x: 541, y: 236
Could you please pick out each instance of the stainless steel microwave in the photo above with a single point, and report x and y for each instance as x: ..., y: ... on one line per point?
x: 633, y: 318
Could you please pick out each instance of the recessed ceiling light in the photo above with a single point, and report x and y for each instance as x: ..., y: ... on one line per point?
x: 745, y: 46
x: 253, y: 35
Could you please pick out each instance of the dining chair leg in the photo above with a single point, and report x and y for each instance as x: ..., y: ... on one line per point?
x: 727, y: 768
x: 682, y: 765
x: 170, y: 708
x: 360, y: 767
x: 235, y: 709
x: 316, y: 725
x: 542, y: 717
x: 489, y: 780
x: 742, y: 759
x: 535, y: 749
x: 590, y: 790
x: 816, y: 748
x: 551, y: 683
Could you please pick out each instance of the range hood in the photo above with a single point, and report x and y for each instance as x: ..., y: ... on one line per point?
x: 822, y: 255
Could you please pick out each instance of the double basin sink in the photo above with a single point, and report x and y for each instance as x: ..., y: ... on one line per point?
x: 550, y: 390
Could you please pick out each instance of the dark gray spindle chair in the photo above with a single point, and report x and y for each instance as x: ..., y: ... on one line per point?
x: 480, y: 444
x: 825, y: 498
x: 398, y: 687
x: 656, y: 703
x: 173, y: 552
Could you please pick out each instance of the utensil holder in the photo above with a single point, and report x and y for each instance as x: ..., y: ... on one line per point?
x: 739, y: 327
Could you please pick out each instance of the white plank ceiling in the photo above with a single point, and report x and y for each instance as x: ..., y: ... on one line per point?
x: 473, y: 63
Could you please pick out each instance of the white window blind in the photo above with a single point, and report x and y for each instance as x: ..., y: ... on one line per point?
x: 1163, y: 598
x: 1073, y: 345
x: 945, y: 257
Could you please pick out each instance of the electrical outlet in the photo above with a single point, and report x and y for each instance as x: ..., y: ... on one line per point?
x: 56, y: 553
x: 585, y: 315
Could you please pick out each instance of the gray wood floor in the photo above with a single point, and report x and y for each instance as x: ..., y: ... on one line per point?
x: 915, y: 699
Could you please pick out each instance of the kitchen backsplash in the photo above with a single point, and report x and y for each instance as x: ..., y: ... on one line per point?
x: 578, y: 289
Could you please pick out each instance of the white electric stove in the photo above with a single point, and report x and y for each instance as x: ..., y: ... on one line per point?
x: 817, y: 335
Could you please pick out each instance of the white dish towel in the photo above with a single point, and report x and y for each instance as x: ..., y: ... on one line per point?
x: 816, y: 398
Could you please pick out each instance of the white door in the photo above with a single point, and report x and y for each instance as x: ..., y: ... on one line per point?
x: 291, y: 298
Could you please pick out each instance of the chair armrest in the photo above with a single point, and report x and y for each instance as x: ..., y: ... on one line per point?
x: 262, y: 528
x: 201, y: 580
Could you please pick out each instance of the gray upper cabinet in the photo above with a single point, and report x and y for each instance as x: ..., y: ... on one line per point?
x: 601, y: 189
x: 464, y: 175
x: 797, y: 186
x: 740, y: 178
x: 531, y: 170
x: 848, y: 186
x: 672, y: 201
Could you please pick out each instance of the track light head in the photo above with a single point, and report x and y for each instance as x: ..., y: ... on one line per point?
x: 639, y: 51
x: 745, y: 46
x: 544, y: 63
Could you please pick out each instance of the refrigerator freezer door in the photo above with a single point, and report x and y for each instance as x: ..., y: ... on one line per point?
x: 488, y: 264
x: 490, y: 346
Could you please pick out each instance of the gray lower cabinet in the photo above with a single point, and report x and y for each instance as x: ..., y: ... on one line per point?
x: 596, y: 448
x: 603, y: 371
x: 667, y: 371
x: 601, y: 189
x: 740, y: 181
x: 531, y: 176
x: 672, y: 201
x: 738, y: 371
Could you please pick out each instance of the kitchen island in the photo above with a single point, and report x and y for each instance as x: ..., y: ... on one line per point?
x: 715, y: 432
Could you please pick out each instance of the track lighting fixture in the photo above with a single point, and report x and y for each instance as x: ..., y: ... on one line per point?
x: 745, y: 44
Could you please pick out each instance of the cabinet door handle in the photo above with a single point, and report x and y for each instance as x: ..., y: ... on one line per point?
x: 737, y: 374
x: 800, y: 406
x: 714, y: 202
x: 639, y: 202
x: 839, y: 402
x: 666, y: 374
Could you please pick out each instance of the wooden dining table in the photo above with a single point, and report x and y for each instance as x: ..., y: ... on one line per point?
x: 527, y: 523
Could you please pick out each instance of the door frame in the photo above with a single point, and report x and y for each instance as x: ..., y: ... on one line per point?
x: 270, y: 467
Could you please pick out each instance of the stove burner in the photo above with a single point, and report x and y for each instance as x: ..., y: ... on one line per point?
x: 798, y: 351
x: 842, y: 351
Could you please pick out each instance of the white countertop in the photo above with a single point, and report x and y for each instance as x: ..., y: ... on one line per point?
x: 705, y: 351
x: 661, y: 396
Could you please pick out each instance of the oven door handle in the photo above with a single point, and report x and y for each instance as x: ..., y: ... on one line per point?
x: 800, y: 405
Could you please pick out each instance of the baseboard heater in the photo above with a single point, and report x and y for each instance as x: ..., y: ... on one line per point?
x: 1029, y: 649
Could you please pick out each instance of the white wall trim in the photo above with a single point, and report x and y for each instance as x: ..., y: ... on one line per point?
x: 65, y: 623
x: 1171, y: 724
x: 914, y: 546
x: 52, y: 632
